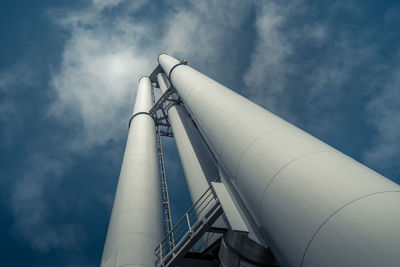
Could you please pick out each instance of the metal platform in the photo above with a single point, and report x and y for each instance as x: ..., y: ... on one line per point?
x: 189, y: 229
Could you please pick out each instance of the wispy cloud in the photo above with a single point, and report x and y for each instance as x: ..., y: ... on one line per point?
x: 19, y: 74
x: 104, y: 58
x: 109, y: 4
x: 32, y: 209
x: 296, y: 58
x: 320, y: 74
x: 12, y: 79
x: 204, y: 32
x: 297, y: 65
x: 266, y: 75
x: 94, y: 89
x: 101, y: 64
x: 383, y: 112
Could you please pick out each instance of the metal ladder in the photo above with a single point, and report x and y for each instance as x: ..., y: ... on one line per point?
x: 197, y: 220
x: 164, y: 188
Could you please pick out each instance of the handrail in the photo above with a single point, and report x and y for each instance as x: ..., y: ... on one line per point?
x: 189, y: 223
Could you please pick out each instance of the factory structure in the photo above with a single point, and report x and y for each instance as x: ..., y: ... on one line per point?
x: 264, y: 192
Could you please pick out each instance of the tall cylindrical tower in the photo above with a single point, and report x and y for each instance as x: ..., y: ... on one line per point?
x: 198, y: 165
x: 312, y: 204
x: 135, y: 227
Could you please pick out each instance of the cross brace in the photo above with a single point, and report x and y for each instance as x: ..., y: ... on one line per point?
x: 159, y: 112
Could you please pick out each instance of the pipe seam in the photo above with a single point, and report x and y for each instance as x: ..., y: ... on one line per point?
x: 251, y: 144
x: 158, y: 58
x: 144, y: 76
x: 337, y: 211
x: 233, y: 126
x: 137, y: 114
x: 278, y: 172
x: 230, y: 128
x: 170, y: 72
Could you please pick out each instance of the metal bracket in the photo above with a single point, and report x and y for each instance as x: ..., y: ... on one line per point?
x: 159, y: 112
x: 134, y: 115
x: 181, y: 62
x: 153, y: 75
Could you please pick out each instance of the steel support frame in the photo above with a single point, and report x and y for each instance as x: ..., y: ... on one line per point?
x: 160, y: 109
x: 164, y: 188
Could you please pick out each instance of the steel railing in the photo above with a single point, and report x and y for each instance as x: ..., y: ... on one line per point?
x: 189, y: 224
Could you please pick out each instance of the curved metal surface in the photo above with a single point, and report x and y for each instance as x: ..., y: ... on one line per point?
x: 136, y: 114
x: 289, y: 181
x: 197, y: 162
x: 135, y: 226
x: 198, y: 165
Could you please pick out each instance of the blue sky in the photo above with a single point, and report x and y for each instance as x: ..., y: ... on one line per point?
x: 68, y: 77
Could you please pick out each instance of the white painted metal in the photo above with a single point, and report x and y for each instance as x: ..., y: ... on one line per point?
x: 135, y: 227
x: 231, y: 212
x: 314, y: 205
x: 197, y: 162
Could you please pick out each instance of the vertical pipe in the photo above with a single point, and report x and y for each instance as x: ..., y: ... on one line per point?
x: 314, y: 205
x: 197, y: 162
x: 135, y: 227
x: 198, y: 165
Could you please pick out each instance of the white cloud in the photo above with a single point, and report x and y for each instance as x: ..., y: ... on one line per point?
x: 205, y: 32
x: 200, y: 28
x: 94, y: 89
x: 105, y: 55
x: 129, y: 5
x: 100, y: 69
x: 104, y: 58
x: 95, y: 86
x: 266, y: 75
x: 101, y: 4
x: 300, y: 60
